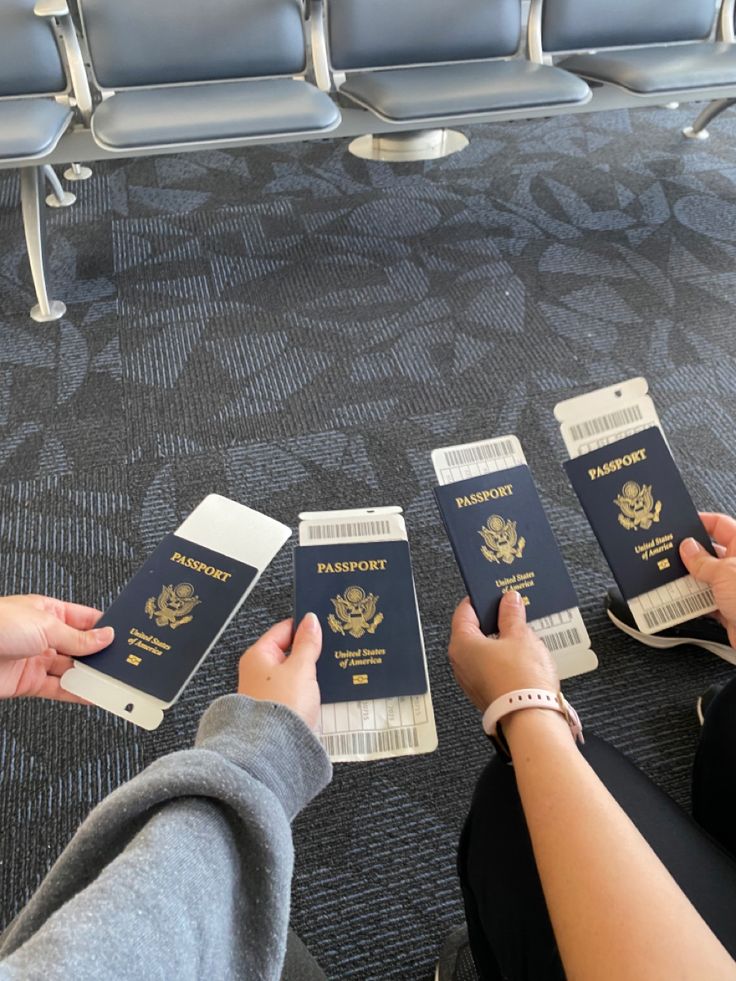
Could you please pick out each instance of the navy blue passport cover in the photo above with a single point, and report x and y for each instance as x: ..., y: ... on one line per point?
x: 502, y: 541
x: 363, y: 594
x: 639, y: 508
x: 168, y: 616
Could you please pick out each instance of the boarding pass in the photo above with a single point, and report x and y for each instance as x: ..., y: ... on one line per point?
x: 380, y: 728
x: 564, y: 633
x: 598, y: 419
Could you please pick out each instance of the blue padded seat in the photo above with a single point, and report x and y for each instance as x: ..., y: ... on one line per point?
x: 30, y: 63
x: 165, y: 42
x: 581, y: 25
x: 651, y: 70
x: 31, y: 128
x: 439, y: 91
x: 221, y: 111
x: 367, y: 34
x: 412, y: 60
x: 187, y: 73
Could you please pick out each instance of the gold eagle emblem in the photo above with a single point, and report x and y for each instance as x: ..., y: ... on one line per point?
x: 637, y: 506
x: 502, y: 544
x: 174, y: 606
x: 356, y: 613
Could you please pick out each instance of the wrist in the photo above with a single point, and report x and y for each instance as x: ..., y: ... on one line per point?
x: 537, y: 701
x: 269, y: 741
x: 521, y: 728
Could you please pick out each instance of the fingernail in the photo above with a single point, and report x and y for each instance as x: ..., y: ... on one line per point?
x: 690, y: 548
x: 105, y: 635
x: 514, y: 598
x: 311, y: 622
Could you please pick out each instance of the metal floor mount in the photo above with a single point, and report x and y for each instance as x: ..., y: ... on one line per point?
x: 429, y: 144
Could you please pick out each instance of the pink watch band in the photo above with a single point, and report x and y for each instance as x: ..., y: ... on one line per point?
x: 524, y: 698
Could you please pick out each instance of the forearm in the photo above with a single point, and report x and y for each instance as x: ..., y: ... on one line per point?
x: 176, y: 903
x: 616, y: 911
x: 195, y: 850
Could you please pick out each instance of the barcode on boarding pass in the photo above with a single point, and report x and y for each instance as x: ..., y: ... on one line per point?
x: 561, y: 639
x: 349, y: 529
x: 479, y: 453
x: 602, y: 424
x: 367, y: 743
x: 686, y: 606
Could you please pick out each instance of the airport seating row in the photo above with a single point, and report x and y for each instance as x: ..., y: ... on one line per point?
x: 135, y: 77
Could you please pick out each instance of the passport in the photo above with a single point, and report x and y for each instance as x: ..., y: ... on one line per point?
x: 169, y: 615
x: 503, y: 541
x: 639, y: 509
x: 364, y: 597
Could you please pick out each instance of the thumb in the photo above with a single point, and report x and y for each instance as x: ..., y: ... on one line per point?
x: 75, y: 643
x: 698, y: 562
x: 307, y: 645
x: 465, y: 620
x: 511, y: 614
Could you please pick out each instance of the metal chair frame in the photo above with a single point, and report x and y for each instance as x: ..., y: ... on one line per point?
x: 34, y: 175
x: 726, y: 32
x: 78, y: 142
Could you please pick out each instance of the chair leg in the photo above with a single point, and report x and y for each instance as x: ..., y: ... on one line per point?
x: 59, y: 198
x: 698, y: 131
x: 32, y: 187
x: 76, y: 172
x: 429, y: 144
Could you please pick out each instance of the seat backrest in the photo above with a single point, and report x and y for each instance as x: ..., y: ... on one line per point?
x: 30, y: 63
x: 574, y: 25
x: 159, y: 42
x: 377, y: 33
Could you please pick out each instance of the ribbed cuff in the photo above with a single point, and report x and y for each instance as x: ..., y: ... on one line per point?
x: 271, y: 743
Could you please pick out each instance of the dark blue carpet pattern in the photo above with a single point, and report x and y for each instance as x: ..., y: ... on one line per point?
x: 298, y: 329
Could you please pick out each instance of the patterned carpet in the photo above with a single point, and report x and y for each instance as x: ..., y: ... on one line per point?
x: 297, y: 329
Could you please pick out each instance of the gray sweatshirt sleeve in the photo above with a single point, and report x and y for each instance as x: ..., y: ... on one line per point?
x: 185, y: 871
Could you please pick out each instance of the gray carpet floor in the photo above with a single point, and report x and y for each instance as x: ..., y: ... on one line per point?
x: 297, y: 329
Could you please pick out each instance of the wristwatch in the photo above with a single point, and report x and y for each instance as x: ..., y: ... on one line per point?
x: 524, y: 698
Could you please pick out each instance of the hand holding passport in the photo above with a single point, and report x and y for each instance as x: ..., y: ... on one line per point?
x: 363, y: 595
x: 502, y: 540
x: 171, y: 611
x: 640, y: 510
x: 353, y: 570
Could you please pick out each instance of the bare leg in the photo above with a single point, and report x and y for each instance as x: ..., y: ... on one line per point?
x: 698, y: 131
x: 32, y: 186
